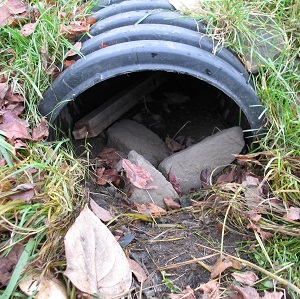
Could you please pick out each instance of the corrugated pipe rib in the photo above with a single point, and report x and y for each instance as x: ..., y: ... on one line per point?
x: 137, y: 36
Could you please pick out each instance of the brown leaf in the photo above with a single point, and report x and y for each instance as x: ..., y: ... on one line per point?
x: 105, y: 176
x: 173, y: 145
x: 40, y: 131
x: 110, y: 156
x: 172, y: 179
x: 9, y: 9
x: 72, y: 52
x: 253, y: 215
x: 47, y: 286
x: 96, y: 264
x: 75, y: 28
x: 27, y: 29
x: 101, y: 213
x: 172, y: 204
x: 273, y: 295
x: 242, y: 293
x: 138, y: 176
x: 3, y: 90
x: 292, y: 214
x: 227, y: 177
x: 137, y: 270
x: 8, y: 117
x: 26, y: 192
x: 150, y: 209
x: 14, y: 130
x: 246, y: 278
x: 8, y: 264
x: 68, y: 63
x: 222, y: 264
x: 205, y: 178
x: 211, y: 290
x: 188, y: 293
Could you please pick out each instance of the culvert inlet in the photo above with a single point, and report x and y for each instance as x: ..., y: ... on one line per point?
x: 140, y: 54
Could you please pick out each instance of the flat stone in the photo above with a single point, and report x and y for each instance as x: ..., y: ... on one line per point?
x: 156, y: 196
x: 212, y: 153
x: 128, y: 135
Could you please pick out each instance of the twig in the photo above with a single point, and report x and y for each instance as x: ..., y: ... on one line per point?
x: 187, y: 262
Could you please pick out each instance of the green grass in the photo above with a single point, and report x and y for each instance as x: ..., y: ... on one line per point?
x: 235, y: 24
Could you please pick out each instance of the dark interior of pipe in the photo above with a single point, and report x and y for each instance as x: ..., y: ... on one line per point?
x: 206, y: 111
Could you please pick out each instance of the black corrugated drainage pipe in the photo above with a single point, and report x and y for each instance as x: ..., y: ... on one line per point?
x: 135, y: 36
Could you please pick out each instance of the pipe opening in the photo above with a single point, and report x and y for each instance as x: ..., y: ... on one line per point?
x: 179, y: 105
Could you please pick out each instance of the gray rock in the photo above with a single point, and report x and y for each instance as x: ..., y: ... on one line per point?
x: 164, y: 188
x: 128, y: 135
x: 212, y: 153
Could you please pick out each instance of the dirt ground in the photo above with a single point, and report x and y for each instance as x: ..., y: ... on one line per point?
x: 162, y: 247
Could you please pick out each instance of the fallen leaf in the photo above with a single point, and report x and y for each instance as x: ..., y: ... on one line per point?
x: 40, y: 131
x: 211, y: 290
x: 137, y: 270
x: 227, y: 177
x: 47, y: 286
x: 273, y: 295
x: 205, y: 176
x: 3, y: 90
x: 105, y: 176
x: 188, y: 293
x: 8, y: 264
x: 27, y: 29
x: 110, y: 156
x: 96, y: 264
x: 242, y: 292
x: 264, y: 235
x: 138, y: 176
x: 292, y: 214
x: 247, y: 278
x: 172, y: 204
x: 150, y: 209
x: 14, y: 130
x: 8, y: 117
x: 68, y: 63
x: 101, y: 213
x: 11, y: 8
x: 172, y: 179
x: 254, y: 216
x: 222, y: 264
x: 72, y: 52
x: 75, y: 28
x: 173, y: 145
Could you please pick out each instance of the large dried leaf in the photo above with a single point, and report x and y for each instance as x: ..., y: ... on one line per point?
x: 137, y: 175
x: 211, y: 290
x: 40, y: 131
x: 48, y: 287
x: 137, y: 270
x: 242, y: 293
x: 246, y: 278
x: 273, y: 295
x: 11, y: 8
x: 222, y: 264
x: 150, y: 208
x: 292, y: 214
x: 14, y: 130
x: 27, y: 29
x: 8, y: 264
x: 101, y: 213
x: 172, y: 179
x: 96, y: 264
